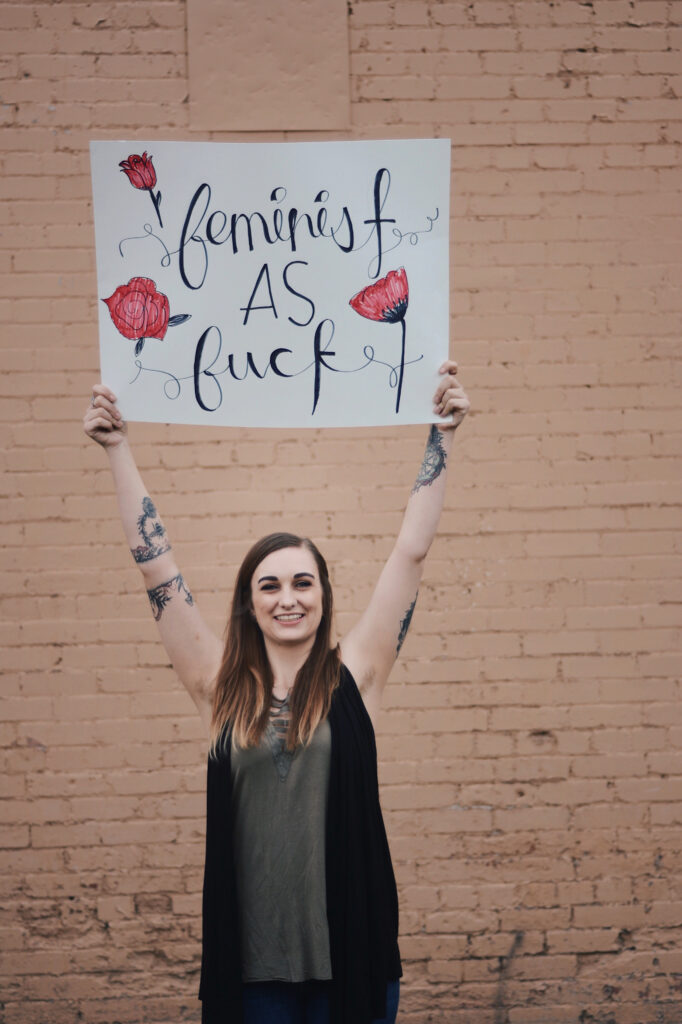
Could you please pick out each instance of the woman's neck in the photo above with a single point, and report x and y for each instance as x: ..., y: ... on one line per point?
x: 285, y: 662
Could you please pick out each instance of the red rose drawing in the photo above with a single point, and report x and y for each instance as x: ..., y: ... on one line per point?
x: 140, y: 170
x: 141, y: 174
x: 386, y: 301
x: 139, y: 311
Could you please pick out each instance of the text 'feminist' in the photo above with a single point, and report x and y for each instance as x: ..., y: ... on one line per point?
x: 201, y: 228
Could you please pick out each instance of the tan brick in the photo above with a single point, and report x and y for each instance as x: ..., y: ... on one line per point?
x: 608, y: 816
x: 537, y: 818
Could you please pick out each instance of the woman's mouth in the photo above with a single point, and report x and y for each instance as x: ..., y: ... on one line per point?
x: 293, y: 617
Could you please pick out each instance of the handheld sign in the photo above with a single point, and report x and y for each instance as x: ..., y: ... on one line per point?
x: 273, y: 284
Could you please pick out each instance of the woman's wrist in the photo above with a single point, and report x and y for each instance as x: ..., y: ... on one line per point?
x: 120, y: 447
x: 446, y: 433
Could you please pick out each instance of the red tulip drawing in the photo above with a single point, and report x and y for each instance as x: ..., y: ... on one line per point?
x: 386, y: 301
x: 141, y: 174
x: 139, y: 311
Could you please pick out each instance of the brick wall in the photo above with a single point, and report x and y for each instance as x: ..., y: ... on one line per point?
x: 531, y: 747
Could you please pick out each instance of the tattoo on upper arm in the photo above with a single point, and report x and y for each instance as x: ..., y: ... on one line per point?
x: 161, y: 595
x: 405, y: 624
x: 434, y: 460
x: 152, y: 532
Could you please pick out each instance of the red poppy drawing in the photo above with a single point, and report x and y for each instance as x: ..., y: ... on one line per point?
x: 139, y: 311
x: 386, y: 301
x: 141, y: 174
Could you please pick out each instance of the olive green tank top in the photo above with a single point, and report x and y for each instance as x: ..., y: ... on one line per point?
x: 279, y: 814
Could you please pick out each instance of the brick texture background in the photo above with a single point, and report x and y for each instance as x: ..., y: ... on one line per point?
x: 531, y: 747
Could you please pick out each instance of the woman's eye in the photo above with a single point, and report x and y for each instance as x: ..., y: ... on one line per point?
x: 304, y: 583
x: 267, y: 586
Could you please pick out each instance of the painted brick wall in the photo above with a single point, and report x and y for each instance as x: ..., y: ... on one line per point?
x: 531, y: 749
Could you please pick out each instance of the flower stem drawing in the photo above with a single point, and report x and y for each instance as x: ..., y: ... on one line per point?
x: 386, y: 301
x: 141, y: 174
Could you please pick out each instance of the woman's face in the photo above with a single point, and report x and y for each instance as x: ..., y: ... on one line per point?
x: 286, y: 596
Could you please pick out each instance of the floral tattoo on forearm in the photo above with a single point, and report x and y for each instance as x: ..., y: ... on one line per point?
x: 161, y: 595
x: 152, y: 532
x: 434, y: 460
x: 405, y: 624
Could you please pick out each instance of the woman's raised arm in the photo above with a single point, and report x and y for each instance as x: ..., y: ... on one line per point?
x: 373, y: 644
x: 192, y: 647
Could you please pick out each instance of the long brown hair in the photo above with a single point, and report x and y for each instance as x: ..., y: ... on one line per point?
x: 244, y: 684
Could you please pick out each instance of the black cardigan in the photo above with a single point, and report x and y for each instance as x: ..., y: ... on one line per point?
x: 362, y: 900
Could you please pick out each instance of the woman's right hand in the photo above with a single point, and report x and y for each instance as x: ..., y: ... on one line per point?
x: 102, y: 421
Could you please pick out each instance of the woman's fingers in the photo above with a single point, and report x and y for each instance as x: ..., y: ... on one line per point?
x: 448, y: 382
x: 99, y: 419
x: 445, y: 388
x: 456, y: 402
x: 103, y: 391
x: 450, y: 398
x: 102, y: 421
x: 100, y: 402
x: 104, y: 398
x: 443, y: 395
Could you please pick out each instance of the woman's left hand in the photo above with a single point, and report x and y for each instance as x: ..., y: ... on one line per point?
x: 450, y: 397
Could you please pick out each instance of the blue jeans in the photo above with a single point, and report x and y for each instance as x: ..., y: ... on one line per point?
x: 305, y: 1002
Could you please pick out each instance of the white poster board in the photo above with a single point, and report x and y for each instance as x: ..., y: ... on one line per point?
x: 273, y: 284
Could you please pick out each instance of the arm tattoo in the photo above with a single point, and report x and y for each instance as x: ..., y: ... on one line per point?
x: 405, y: 625
x: 161, y: 595
x: 152, y: 532
x: 434, y: 460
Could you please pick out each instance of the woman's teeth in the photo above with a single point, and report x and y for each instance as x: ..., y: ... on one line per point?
x: 288, y: 618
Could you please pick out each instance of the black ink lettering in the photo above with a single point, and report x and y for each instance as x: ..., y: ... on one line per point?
x: 278, y: 195
x: 277, y: 221
x: 294, y: 220
x: 378, y: 220
x: 234, y: 221
x: 319, y: 360
x: 298, y: 323
x: 241, y: 229
x: 213, y: 235
x: 193, y: 237
x: 351, y: 235
x: 270, y: 305
x: 198, y: 372
x: 250, y: 365
x: 274, y: 356
x: 322, y: 197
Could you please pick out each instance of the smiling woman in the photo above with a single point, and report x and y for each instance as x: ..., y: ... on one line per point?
x: 281, y: 616
x: 300, y: 906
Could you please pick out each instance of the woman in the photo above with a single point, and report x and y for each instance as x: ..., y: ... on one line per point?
x: 300, y: 913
